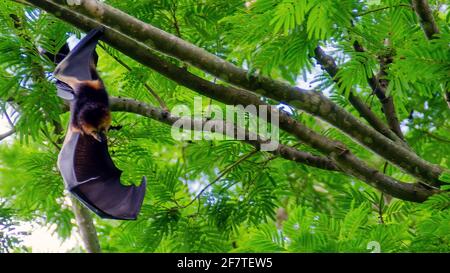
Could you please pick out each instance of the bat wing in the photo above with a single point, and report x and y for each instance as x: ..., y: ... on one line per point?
x: 83, y: 54
x: 90, y: 174
x: 80, y: 63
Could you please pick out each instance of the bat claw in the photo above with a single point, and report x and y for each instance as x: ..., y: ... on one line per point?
x: 98, y: 137
x: 100, y: 28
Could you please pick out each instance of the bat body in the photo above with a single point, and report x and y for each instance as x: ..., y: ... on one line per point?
x: 84, y: 161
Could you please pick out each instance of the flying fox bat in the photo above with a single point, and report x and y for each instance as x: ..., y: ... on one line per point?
x: 84, y: 161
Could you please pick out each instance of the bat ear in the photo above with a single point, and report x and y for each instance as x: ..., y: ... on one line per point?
x: 64, y: 91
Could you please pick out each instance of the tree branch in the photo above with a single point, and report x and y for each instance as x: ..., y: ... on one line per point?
x: 329, y: 64
x: 149, y: 89
x: 175, y: 20
x: 222, y: 173
x: 228, y: 95
x: 11, y: 124
x: 7, y: 134
x: 379, y: 86
x: 406, y: 191
x: 435, y: 137
x: 430, y: 28
x: 447, y: 97
x: 86, y: 226
x: 427, y: 21
x: 289, y: 153
x: 310, y: 101
x: 383, y: 8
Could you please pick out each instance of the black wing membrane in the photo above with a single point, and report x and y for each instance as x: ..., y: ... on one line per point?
x: 80, y: 63
x: 90, y: 174
x: 76, y: 65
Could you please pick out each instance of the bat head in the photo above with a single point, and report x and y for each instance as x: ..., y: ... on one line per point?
x: 91, y: 110
x: 95, y: 121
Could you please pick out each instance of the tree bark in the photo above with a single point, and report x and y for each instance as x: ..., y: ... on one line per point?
x: 430, y: 29
x: 86, y: 226
x: 426, y: 18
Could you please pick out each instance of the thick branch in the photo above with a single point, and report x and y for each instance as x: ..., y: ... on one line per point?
x: 405, y: 191
x: 289, y: 153
x: 310, y: 101
x: 427, y: 21
x: 86, y: 226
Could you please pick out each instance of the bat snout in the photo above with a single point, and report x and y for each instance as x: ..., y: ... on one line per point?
x: 99, y: 136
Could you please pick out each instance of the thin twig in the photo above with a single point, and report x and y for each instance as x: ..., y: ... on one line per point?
x: 57, y: 146
x: 175, y: 21
x: 382, y: 197
x: 438, y: 138
x: 383, y: 8
x: 7, y: 134
x: 8, y: 119
x: 380, y: 208
x: 225, y: 171
x: 385, y: 167
x: 177, y: 26
x: 183, y: 155
x: 378, y: 84
x: 149, y: 89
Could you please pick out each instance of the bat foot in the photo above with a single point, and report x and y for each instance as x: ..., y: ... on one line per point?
x: 115, y: 128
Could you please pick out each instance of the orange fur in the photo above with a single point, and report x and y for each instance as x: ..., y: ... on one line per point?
x: 105, y: 123
x: 96, y: 85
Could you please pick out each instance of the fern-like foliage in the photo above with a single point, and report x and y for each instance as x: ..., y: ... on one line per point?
x: 201, y: 196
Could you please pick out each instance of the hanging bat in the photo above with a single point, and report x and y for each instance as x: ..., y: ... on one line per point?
x: 84, y: 161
